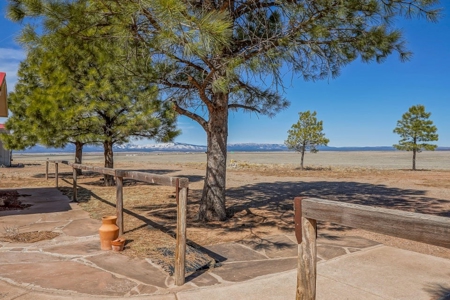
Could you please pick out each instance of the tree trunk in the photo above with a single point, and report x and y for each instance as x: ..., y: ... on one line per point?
x: 212, y: 204
x: 79, y: 155
x: 109, y: 162
x: 414, y: 160
x: 303, y: 156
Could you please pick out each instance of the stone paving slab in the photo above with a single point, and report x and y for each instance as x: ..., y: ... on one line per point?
x: 203, y: 279
x: 68, y: 276
x: 82, y: 227
x: 330, y: 252
x: 346, y: 241
x: 137, y: 269
x: 274, y: 287
x: 231, y: 252
x: 273, y: 246
x: 77, y: 248
x: 241, y: 271
x: 18, y: 220
x: 329, y: 289
x: 72, y: 214
x: 11, y: 292
x: 281, y: 246
x: 391, y: 273
x: 43, y: 226
x: 26, y: 257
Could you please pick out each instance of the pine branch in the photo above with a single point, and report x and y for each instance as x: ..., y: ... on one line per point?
x: 191, y: 115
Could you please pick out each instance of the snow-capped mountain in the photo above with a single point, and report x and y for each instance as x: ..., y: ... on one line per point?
x: 161, y: 147
x: 256, y: 147
x: 182, y: 147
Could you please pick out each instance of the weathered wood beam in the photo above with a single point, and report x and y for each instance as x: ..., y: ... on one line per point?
x: 46, y: 169
x: 101, y: 170
x: 307, y: 261
x: 74, y: 185
x: 153, y: 178
x: 423, y: 228
x: 56, y: 174
x: 119, y: 204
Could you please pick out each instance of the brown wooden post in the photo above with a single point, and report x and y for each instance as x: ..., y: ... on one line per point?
x: 298, y: 218
x: 180, y: 251
x: 46, y: 170
x: 307, y: 261
x: 56, y: 174
x: 119, y: 203
x: 74, y: 192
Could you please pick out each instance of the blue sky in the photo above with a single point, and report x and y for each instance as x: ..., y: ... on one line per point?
x: 359, y: 108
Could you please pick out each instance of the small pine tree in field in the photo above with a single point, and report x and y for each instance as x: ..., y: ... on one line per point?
x: 415, y: 130
x: 306, y: 134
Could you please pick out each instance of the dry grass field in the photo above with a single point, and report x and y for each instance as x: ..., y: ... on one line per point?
x: 260, y: 192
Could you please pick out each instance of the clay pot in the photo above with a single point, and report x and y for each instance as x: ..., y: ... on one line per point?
x: 108, y: 232
x: 117, y: 245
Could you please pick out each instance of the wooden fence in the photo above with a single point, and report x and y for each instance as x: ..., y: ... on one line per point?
x: 181, y: 185
x: 423, y: 228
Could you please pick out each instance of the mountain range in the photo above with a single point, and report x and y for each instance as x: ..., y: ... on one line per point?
x: 182, y: 147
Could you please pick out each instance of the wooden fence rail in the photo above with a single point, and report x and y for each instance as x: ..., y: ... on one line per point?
x: 181, y: 185
x: 423, y: 228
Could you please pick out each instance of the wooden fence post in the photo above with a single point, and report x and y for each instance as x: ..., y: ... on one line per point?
x: 46, y: 170
x: 180, y: 251
x: 119, y: 203
x: 74, y: 192
x: 56, y: 174
x: 307, y: 261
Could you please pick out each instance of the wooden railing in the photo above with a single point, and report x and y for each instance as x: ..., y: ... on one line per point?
x: 423, y: 228
x: 181, y: 185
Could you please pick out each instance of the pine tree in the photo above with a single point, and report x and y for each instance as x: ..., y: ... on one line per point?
x: 213, y: 56
x: 306, y: 135
x: 85, y: 86
x: 415, y: 130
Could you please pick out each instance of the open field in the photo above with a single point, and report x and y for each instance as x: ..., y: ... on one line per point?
x: 364, y: 159
x: 260, y: 190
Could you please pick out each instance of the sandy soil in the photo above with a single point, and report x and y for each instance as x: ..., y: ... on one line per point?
x: 260, y: 190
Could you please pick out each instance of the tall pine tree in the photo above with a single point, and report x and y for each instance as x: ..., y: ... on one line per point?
x: 213, y: 56
x: 84, y: 83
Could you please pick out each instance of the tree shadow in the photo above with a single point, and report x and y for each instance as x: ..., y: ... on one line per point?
x: 270, y: 204
x: 39, y: 200
x: 438, y: 291
x: 278, y: 196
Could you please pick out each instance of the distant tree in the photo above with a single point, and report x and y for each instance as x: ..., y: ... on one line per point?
x: 415, y: 130
x: 306, y: 134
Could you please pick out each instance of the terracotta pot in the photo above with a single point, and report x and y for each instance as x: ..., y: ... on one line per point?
x: 108, y: 232
x: 117, y: 245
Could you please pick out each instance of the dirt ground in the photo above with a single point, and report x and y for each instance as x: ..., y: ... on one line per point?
x: 260, y: 192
